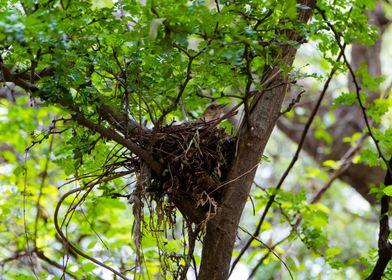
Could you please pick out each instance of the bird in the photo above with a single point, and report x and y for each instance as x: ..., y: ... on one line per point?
x: 213, y: 112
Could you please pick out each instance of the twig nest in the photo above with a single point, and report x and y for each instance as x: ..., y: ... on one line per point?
x: 196, y: 157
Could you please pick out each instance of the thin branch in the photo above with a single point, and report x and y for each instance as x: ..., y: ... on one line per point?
x: 25, y: 227
x: 294, y: 101
x: 270, y: 249
x: 357, y: 88
x: 127, y: 143
x: 182, y: 86
x: 217, y: 5
x: 261, y: 261
x: 40, y: 192
x: 65, y: 239
x: 384, y: 246
x: 291, y: 165
x: 192, y: 236
x: 107, y: 112
x: 188, y: 76
x: 235, y: 179
x: 43, y: 257
x: 346, y: 162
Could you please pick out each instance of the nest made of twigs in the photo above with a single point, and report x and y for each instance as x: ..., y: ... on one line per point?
x: 196, y: 157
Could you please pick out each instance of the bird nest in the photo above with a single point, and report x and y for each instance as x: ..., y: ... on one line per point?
x: 196, y: 159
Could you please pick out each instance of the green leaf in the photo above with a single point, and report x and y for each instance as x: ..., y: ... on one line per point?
x: 333, y: 251
x: 333, y: 164
x: 368, y: 81
x: 353, y: 139
x: 388, y: 190
x: 348, y: 98
x: 378, y: 109
x: 100, y: 4
x: 88, y: 267
x: 370, y: 157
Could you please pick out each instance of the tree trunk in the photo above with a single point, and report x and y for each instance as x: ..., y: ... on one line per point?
x: 255, y: 131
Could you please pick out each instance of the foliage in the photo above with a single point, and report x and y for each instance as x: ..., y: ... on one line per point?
x: 161, y: 63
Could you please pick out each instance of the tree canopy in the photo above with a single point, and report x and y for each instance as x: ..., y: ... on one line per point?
x: 111, y: 164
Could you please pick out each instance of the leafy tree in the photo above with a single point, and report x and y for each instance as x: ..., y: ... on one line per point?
x: 104, y: 135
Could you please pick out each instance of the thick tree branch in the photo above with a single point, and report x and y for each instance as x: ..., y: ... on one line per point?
x: 265, y: 110
x: 117, y: 120
x: 112, y: 135
x: 384, y: 246
x: 291, y: 165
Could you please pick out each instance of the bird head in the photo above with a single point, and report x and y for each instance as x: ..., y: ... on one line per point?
x: 213, y: 112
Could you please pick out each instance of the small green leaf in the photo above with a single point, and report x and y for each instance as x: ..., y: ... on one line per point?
x: 348, y: 98
x: 100, y: 4
x: 333, y: 251
x: 370, y: 157
x: 388, y: 190
x: 378, y: 109
x: 333, y: 164
x: 88, y: 267
x: 368, y: 81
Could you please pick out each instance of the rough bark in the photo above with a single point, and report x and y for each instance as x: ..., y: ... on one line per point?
x: 253, y: 136
x: 384, y: 246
